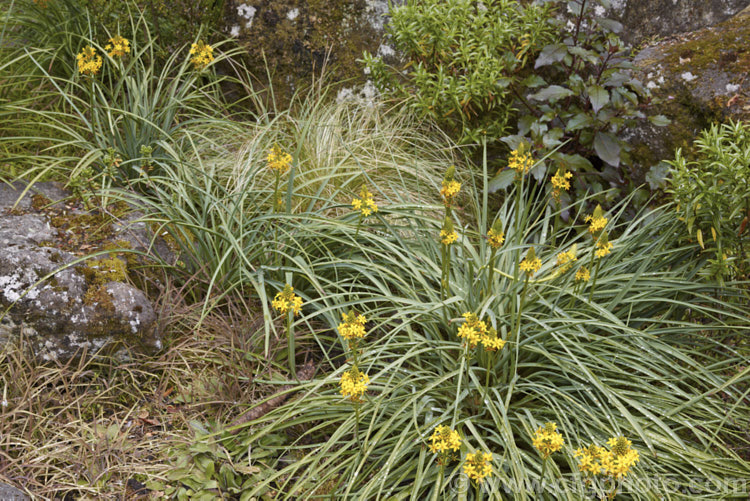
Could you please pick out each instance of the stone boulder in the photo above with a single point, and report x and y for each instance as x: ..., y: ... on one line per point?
x: 296, y: 39
x: 60, y: 292
x: 697, y: 78
x: 9, y: 493
x: 644, y: 19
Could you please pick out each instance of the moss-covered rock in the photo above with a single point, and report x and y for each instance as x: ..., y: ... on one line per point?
x: 58, y: 302
x: 295, y: 39
x: 696, y: 78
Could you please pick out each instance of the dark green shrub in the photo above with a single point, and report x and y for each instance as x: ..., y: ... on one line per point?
x: 556, y: 72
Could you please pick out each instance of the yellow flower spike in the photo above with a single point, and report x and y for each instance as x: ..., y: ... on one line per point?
x: 117, y: 46
x: 286, y: 301
x: 491, y: 341
x: 444, y: 440
x: 520, y: 161
x: 478, y: 466
x: 472, y: 330
x: 566, y: 259
x: 547, y: 440
x: 589, y: 459
x: 450, y: 187
x: 278, y: 160
x: 202, y: 55
x: 365, y: 205
x: 354, y: 384
x: 530, y: 264
x: 89, y: 62
x: 596, y: 221
x: 496, y: 236
x: 620, y: 458
x: 447, y: 234
x: 561, y: 180
x: 353, y: 326
x: 583, y: 274
x: 603, y: 245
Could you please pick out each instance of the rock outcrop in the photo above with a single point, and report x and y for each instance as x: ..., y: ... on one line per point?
x: 61, y: 292
x: 295, y: 39
x: 698, y: 78
x: 643, y: 19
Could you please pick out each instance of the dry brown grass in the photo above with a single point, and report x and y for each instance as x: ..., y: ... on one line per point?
x: 98, y: 429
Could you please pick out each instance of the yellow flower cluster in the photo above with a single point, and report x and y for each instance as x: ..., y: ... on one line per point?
x: 530, y: 264
x: 603, y: 248
x: 589, y: 461
x: 583, y: 274
x: 565, y: 259
x: 449, y: 191
x: 202, y: 54
x: 477, y: 466
x: 117, y: 46
x: 448, y: 237
x: 620, y: 457
x: 353, y: 326
x: 491, y: 341
x: 278, y: 160
x: 473, y: 329
x: 450, y: 187
x: 615, y: 462
x: 561, y: 180
x: 365, y: 204
x: 89, y: 62
x: 354, y: 384
x: 443, y: 440
x: 596, y: 224
x: 520, y: 162
x: 287, y: 300
x: 495, y: 238
x: 547, y: 440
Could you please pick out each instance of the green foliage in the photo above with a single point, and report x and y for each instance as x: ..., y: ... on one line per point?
x: 117, y: 126
x: 204, y: 470
x: 465, y: 62
x: 584, y: 96
x: 614, y: 356
x: 713, y: 197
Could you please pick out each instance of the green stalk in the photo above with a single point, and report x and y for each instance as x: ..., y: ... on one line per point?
x: 490, y: 356
x: 290, y: 344
x: 491, y: 271
x: 593, y: 282
x: 516, y: 332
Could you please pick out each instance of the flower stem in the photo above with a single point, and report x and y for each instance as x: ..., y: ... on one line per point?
x: 290, y: 344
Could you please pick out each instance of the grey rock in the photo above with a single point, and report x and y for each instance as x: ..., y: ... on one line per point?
x: 15, y: 195
x: 642, y: 19
x: 48, y: 297
x: 698, y: 78
x: 9, y: 493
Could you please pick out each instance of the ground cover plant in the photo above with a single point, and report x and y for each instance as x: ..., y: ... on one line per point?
x: 357, y: 312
